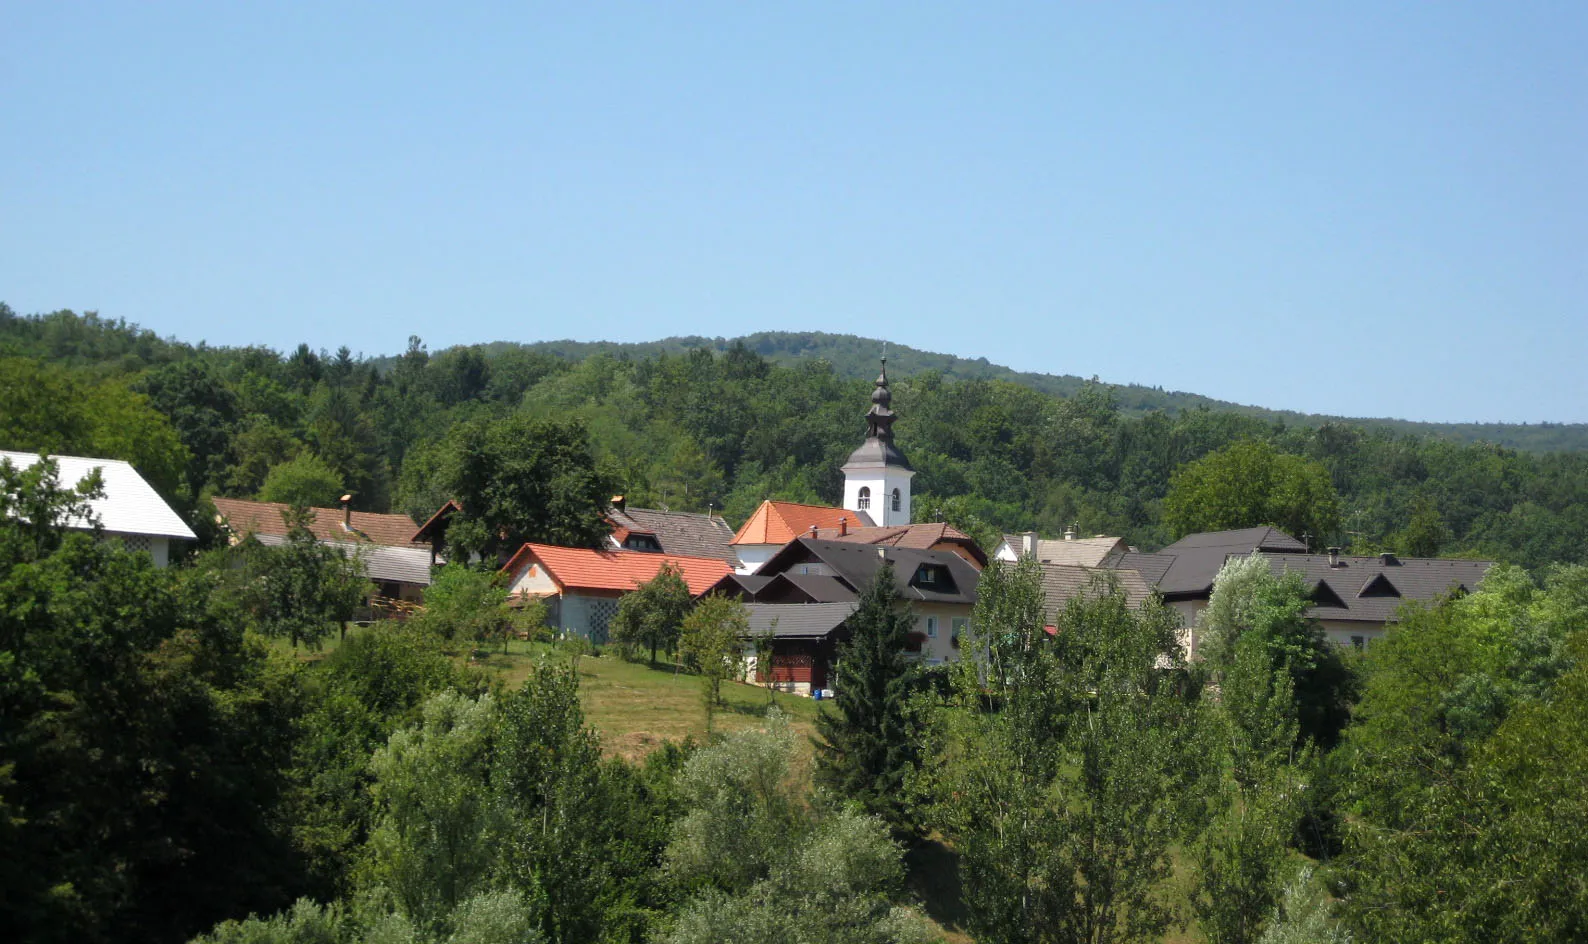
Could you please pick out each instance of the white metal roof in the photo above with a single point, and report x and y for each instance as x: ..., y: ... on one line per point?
x: 402, y: 564
x: 129, y: 506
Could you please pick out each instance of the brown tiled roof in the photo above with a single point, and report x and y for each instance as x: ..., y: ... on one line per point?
x: 678, y: 532
x: 254, y: 517
x: 1063, y: 582
x: 779, y: 522
x: 923, y: 537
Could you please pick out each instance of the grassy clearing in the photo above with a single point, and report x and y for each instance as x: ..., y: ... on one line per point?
x: 636, y: 706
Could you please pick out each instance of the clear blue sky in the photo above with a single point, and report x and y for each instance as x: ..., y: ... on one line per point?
x: 1360, y: 208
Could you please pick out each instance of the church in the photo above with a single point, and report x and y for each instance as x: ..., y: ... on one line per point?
x: 875, y: 510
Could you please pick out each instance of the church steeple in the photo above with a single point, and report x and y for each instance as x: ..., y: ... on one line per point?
x: 879, y: 419
x: 877, y: 476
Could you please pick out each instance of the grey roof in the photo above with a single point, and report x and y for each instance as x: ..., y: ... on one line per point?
x: 1064, y: 582
x: 797, y: 620
x: 875, y: 453
x: 683, y: 533
x: 820, y: 587
x: 854, y: 565
x: 1198, y: 557
x: 1366, y: 589
x: 1152, y: 567
x: 130, y: 505
x: 745, y: 585
x: 399, y: 564
x: 1263, y: 538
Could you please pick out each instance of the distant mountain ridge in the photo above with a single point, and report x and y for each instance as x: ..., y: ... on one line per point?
x: 856, y: 357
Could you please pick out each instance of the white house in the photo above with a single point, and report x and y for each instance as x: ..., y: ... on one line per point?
x: 130, y: 509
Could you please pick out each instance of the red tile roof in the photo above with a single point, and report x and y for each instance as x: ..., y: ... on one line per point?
x: 253, y: 517
x: 578, y: 568
x: 779, y: 522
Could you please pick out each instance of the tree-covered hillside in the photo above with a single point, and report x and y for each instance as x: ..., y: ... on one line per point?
x: 856, y: 357
x: 702, y: 428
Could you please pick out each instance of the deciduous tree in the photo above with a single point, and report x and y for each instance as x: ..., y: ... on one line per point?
x: 712, y: 644
x: 1251, y: 483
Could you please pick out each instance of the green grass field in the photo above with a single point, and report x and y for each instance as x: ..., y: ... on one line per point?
x: 636, y: 706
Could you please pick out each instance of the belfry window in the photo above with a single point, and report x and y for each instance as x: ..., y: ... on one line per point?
x: 865, y: 498
x: 895, y: 499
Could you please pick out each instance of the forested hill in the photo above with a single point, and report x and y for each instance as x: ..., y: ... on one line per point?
x: 722, y: 431
x: 856, y: 358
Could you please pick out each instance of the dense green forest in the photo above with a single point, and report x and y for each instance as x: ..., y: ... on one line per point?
x: 856, y: 358
x: 721, y: 430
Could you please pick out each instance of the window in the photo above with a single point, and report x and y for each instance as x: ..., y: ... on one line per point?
x: 1358, y: 643
x: 957, y: 627
x: 896, y: 500
x: 865, y: 498
x: 931, y: 627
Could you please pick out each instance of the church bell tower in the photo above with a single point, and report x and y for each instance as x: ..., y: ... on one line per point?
x: 877, y: 476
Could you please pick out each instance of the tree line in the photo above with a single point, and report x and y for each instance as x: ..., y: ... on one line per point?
x: 721, y: 431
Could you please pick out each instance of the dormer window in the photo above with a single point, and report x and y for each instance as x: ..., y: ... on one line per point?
x: 933, y: 577
x: 864, y: 501
x: 642, y: 542
x: 896, y: 500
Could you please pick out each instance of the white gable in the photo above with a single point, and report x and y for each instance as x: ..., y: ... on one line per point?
x: 130, y: 505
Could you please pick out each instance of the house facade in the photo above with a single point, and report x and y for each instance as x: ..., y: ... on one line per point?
x: 130, y: 510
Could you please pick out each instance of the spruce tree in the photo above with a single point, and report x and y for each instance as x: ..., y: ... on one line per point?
x: 866, y: 746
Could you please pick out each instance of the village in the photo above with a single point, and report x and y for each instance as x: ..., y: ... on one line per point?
x: 799, y: 568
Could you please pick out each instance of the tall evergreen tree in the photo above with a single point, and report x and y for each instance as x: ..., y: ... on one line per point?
x: 866, y: 747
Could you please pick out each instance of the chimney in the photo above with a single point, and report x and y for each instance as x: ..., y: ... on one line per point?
x: 1388, y: 559
x: 1334, y: 557
x: 347, y: 512
x: 1069, y: 533
x: 618, y: 501
x: 813, y: 531
x: 1028, y: 544
x: 843, y: 526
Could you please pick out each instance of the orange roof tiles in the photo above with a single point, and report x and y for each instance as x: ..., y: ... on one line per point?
x: 579, y: 568
x: 779, y: 522
x: 253, y: 517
